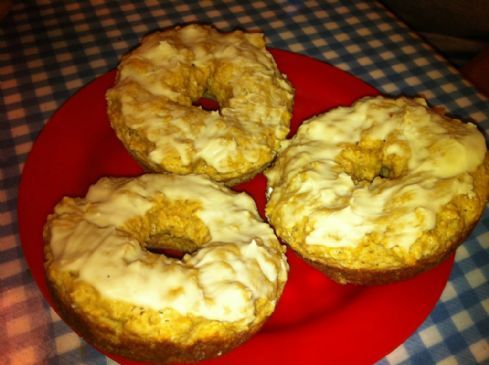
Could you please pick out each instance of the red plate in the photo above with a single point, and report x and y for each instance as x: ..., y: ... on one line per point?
x: 317, y: 320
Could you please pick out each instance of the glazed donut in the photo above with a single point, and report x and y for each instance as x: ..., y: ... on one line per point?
x: 379, y: 191
x: 145, y: 306
x: 151, y: 105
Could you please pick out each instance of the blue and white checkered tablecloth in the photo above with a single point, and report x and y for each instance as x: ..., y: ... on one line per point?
x: 49, y: 49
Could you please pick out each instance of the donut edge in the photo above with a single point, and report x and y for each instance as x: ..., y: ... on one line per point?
x: 371, y: 277
x: 161, y: 352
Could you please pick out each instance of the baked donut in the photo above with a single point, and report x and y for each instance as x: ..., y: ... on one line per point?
x: 128, y: 300
x: 379, y: 191
x: 151, y: 105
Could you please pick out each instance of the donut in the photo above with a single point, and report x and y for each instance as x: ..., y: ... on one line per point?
x: 116, y: 291
x: 151, y: 106
x: 379, y: 191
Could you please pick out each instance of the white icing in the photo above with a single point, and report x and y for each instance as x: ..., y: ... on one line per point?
x: 222, y: 280
x: 341, y: 213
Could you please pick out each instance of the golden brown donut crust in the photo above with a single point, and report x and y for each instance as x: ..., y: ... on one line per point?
x: 220, y: 339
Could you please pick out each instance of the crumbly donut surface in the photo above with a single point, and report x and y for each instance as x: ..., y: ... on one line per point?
x: 150, y: 106
x: 148, y: 306
x: 379, y: 191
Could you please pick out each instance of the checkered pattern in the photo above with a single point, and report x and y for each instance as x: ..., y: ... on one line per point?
x: 48, y: 50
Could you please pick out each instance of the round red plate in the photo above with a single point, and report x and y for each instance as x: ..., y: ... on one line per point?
x: 317, y: 320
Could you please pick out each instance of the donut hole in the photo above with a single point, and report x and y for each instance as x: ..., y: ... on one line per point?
x: 170, y: 246
x: 368, y: 160
x: 168, y: 252
x: 171, y: 228
x: 207, y: 104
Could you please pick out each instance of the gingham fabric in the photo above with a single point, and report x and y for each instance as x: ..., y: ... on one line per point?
x: 49, y: 49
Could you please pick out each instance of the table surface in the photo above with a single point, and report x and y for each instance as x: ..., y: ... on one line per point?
x: 49, y: 50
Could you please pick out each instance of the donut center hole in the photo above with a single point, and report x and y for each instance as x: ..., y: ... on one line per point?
x: 170, y: 245
x: 172, y: 228
x: 367, y: 161
x: 168, y: 252
x: 207, y: 104
x: 385, y: 172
